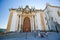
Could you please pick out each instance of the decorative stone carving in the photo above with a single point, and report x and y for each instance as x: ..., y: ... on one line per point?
x: 27, y: 9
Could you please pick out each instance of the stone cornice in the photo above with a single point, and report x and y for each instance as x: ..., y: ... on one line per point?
x: 32, y: 10
x: 51, y: 6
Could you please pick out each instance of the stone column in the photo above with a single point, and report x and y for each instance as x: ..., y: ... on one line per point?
x: 18, y: 23
x: 34, y: 22
x: 31, y: 23
x: 21, y: 24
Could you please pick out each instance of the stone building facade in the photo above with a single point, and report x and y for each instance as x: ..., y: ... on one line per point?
x: 27, y: 19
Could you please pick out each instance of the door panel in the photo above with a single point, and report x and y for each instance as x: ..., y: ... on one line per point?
x: 26, y: 25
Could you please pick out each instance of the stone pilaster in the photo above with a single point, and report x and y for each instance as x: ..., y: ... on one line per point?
x: 9, y: 22
x: 42, y: 20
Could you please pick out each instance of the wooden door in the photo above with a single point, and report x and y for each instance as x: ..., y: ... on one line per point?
x: 26, y: 25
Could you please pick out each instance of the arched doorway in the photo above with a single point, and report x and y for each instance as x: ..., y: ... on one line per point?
x: 26, y: 25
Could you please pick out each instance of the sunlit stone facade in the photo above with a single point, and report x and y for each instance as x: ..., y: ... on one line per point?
x: 27, y: 19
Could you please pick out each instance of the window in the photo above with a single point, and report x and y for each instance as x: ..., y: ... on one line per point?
x: 58, y: 13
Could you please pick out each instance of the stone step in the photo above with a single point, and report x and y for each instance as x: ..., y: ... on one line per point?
x: 30, y: 36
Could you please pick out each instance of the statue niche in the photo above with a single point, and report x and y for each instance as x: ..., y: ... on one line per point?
x: 27, y: 9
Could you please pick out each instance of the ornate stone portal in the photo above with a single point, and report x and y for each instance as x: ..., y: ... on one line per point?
x: 25, y: 20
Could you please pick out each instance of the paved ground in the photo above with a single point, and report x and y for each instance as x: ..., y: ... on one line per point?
x: 30, y: 36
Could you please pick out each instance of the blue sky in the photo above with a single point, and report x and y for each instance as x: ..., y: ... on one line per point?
x: 5, y: 5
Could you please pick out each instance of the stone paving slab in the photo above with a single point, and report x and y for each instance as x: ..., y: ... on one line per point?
x: 30, y: 36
